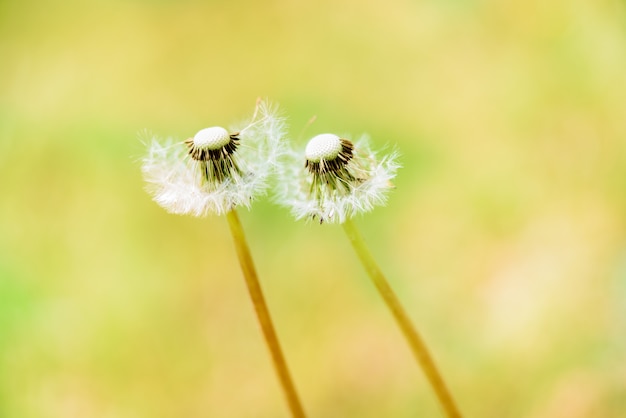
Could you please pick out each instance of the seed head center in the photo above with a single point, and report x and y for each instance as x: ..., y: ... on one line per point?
x: 212, y: 138
x: 323, y: 147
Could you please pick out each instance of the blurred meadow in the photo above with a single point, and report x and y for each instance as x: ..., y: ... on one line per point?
x: 505, y: 237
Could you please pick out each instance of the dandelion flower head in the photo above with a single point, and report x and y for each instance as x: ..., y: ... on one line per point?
x: 217, y: 169
x: 333, y: 179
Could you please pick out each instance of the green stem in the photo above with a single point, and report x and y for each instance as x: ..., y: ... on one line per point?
x: 408, y: 329
x: 256, y: 294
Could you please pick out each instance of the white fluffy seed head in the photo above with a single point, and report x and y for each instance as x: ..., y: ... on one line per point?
x: 211, y: 138
x: 179, y: 184
x: 368, y: 186
x: 323, y: 147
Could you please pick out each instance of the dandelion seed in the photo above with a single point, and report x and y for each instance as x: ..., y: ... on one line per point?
x: 339, y: 179
x: 216, y: 170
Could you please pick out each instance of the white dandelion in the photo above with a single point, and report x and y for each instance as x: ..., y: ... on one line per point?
x: 216, y: 170
x: 332, y: 179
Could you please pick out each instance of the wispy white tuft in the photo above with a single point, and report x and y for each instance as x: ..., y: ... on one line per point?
x: 176, y: 181
x: 368, y: 188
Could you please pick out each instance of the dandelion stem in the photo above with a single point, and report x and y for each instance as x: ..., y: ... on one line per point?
x: 256, y: 294
x: 408, y: 329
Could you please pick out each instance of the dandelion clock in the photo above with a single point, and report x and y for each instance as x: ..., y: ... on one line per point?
x: 331, y: 180
x: 215, y: 172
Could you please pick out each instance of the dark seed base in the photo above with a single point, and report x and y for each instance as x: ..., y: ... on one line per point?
x: 219, y: 164
x: 329, y: 166
x: 334, y: 176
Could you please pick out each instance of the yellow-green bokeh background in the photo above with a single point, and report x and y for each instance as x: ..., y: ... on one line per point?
x: 505, y: 237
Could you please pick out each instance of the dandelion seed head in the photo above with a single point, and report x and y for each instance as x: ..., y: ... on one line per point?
x: 215, y: 171
x: 339, y: 179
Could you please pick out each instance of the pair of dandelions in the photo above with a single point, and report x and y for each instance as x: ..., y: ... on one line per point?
x: 333, y: 180
x: 220, y: 170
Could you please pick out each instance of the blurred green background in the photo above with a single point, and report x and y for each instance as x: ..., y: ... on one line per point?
x: 505, y: 237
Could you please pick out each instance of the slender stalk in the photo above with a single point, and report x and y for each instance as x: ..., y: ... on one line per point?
x: 256, y: 294
x: 408, y: 329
